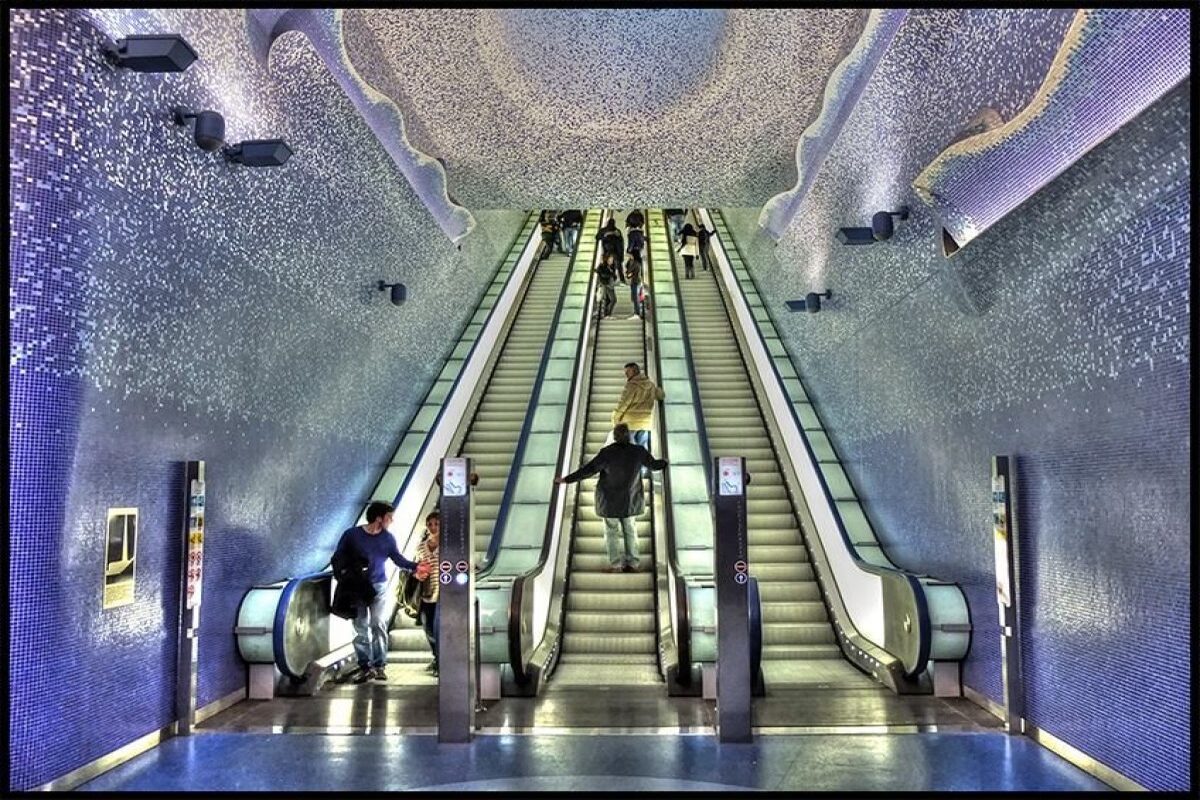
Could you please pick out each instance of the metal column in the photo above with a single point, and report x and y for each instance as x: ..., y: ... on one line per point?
x: 732, y: 579
x: 1004, y: 521
x: 191, y: 575
x: 456, y: 605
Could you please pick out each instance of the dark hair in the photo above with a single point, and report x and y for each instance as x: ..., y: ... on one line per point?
x: 378, y: 509
x: 435, y: 514
x: 621, y: 432
x: 634, y: 365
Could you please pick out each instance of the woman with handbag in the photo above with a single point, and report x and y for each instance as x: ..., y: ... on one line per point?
x: 427, y: 553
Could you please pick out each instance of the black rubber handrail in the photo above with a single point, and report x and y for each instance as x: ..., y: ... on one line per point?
x: 517, y: 594
x: 682, y: 626
x: 527, y: 427
x: 915, y: 584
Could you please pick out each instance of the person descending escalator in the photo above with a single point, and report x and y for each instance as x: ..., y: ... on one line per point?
x: 619, y: 496
x: 635, y: 219
x: 677, y: 216
x: 688, y: 248
x: 549, y: 235
x: 633, y: 276
x: 569, y: 221
x: 608, y: 272
x: 611, y: 240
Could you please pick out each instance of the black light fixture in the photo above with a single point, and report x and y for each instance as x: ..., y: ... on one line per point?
x: 166, y: 52
x: 855, y: 236
x: 209, y: 131
x: 881, y: 224
x: 209, y: 134
x: 399, y: 292
x: 881, y: 228
x: 259, y: 153
x: 811, y: 302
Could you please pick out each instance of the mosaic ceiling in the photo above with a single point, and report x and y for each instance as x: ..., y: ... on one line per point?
x: 579, y: 107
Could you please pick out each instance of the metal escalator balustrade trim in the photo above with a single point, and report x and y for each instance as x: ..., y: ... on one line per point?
x: 693, y: 548
x: 670, y: 596
x: 882, y: 604
x: 507, y: 603
x: 537, y: 403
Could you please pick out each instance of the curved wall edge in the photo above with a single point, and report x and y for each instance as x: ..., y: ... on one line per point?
x: 845, y: 86
x: 1111, y: 66
x: 323, y: 27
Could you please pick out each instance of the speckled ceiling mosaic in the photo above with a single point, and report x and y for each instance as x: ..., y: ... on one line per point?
x: 556, y: 107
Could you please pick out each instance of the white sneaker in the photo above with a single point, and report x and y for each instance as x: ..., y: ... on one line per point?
x: 633, y: 316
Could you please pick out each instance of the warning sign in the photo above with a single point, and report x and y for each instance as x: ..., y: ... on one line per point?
x: 461, y: 566
x: 739, y: 566
x: 444, y: 566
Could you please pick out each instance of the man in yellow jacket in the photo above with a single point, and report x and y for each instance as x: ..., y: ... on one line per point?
x: 636, y: 406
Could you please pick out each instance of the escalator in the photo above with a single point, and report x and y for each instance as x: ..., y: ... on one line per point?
x: 609, y: 623
x: 799, y: 642
x: 492, y: 436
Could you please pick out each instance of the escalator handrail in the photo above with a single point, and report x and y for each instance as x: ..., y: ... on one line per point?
x: 279, y: 627
x: 517, y: 593
x: 485, y: 568
x: 457, y: 378
x: 911, y: 578
x: 682, y: 628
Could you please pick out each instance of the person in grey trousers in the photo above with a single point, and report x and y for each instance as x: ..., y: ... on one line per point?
x: 619, y: 496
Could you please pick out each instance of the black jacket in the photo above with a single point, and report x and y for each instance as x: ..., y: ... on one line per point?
x: 619, y: 489
x: 634, y: 219
x: 572, y: 216
x: 354, y: 587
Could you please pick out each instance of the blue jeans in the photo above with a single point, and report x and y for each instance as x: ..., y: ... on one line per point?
x: 570, y: 236
x: 677, y: 223
x: 429, y: 619
x: 634, y: 297
x: 370, y: 630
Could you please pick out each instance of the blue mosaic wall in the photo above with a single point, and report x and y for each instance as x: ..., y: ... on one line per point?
x: 166, y: 306
x: 1061, y: 336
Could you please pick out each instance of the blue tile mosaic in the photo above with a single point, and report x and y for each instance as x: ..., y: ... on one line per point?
x: 1063, y: 340
x: 164, y: 306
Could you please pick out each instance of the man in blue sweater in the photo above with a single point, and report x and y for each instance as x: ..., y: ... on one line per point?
x: 376, y: 544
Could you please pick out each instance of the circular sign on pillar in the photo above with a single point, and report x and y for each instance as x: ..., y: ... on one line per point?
x: 461, y: 566
x: 445, y: 577
x: 740, y: 577
x: 739, y: 566
x: 444, y: 566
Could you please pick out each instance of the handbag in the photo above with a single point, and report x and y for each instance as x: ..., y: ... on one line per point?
x: 410, y: 595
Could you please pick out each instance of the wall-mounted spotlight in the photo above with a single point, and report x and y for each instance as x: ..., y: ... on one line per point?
x: 163, y: 53
x: 399, y: 292
x: 881, y: 224
x: 209, y: 134
x: 811, y: 302
x: 259, y: 153
x: 881, y: 228
x: 209, y: 131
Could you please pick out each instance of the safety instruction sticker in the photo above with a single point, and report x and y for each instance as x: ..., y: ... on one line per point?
x: 454, y: 477
x: 730, y: 471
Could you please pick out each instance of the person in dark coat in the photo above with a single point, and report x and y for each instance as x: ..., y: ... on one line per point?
x: 635, y: 219
x: 611, y: 240
x: 702, y: 237
x: 619, y: 498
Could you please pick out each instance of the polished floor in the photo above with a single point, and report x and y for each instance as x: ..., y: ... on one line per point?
x: 217, y: 761
x: 382, y: 736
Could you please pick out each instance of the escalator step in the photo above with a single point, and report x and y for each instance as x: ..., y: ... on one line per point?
x: 590, y: 620
x: 579, y: 600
